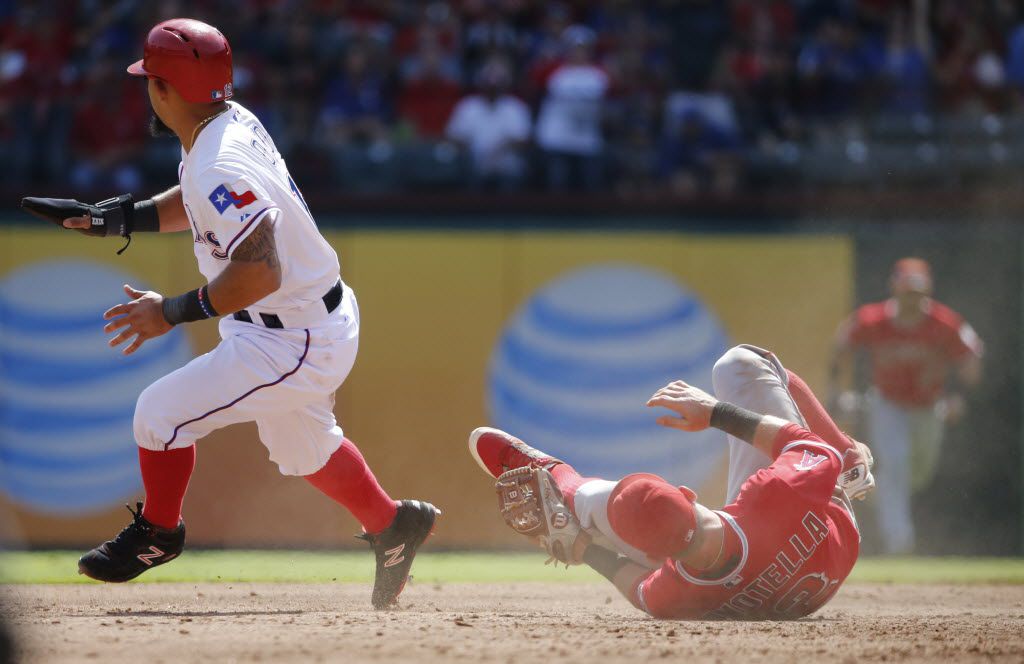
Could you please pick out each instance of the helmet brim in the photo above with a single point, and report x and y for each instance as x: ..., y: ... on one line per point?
x: 136, y: 69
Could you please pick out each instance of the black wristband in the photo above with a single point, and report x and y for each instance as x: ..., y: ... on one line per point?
x: 187, y: 307
x: 146, y: 218
x: 735, y: 421
x: 604, y: 562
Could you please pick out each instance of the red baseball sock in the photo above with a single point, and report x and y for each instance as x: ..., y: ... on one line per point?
x: 818, y: 420
x: 568, y: 481
x: 165, y: 476
x: 347, y: 480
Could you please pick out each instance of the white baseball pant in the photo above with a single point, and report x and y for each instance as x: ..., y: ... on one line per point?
x: 907, y: 442
x: 283, y: 379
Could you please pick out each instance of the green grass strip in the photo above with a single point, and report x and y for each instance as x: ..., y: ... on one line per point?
x: 909, y: 569
x: 241, y: 566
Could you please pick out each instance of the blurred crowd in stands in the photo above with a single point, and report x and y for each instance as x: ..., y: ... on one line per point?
x: 642, y: 98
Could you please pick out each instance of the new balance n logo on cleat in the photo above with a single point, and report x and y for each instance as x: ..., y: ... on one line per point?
x: 395, y: 547
x: 148, y: 558
x: 140, y: 546
x: 394, y: 556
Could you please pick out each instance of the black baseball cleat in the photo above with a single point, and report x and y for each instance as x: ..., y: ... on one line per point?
x: 137, y: 548
x: 395, y: 547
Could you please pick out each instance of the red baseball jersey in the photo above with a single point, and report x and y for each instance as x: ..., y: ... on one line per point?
x: 909, y: 364
x: 796, y: 543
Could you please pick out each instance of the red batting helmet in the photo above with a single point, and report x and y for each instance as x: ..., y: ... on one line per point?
x: 652, y: 515
x: 192, y: 56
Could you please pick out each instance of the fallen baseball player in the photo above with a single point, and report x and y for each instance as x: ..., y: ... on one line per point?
x: 780, y: 548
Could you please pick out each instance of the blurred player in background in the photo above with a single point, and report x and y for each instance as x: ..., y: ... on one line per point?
x: 289, y: 325
x: 780, y: 548
x: 915, y: 345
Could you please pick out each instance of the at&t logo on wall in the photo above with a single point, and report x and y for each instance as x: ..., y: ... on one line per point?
x: 575, y: 365
x: 66, y: 398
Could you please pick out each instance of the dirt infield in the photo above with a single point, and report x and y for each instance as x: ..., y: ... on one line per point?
x: 495, y: 623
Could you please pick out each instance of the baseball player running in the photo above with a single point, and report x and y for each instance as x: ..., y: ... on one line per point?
x: 289, y: 327
x: 916, y: 344
x: 779, y: 549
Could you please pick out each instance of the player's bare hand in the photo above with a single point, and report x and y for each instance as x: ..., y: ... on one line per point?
x: 142, y: 318
x: 77, y: 223
x: 692, y: 406
x: 81, y: 224
x: 579, y: 547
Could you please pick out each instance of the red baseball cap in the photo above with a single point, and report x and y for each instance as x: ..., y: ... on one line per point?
x: 912, y: 275
x: 192, y: 56
x: 652, y: 515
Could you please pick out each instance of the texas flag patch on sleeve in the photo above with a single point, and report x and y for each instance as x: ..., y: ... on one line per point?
x: 223, y: 198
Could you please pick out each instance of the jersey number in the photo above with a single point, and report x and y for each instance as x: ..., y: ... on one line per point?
x: 261, y: 143
x: 806, y: 596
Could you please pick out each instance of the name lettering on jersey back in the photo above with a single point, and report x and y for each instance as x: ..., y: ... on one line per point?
x: 751, y: 600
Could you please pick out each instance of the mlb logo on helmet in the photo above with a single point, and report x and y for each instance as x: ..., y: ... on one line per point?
x: 218, y: 94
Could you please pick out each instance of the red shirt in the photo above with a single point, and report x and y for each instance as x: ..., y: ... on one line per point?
x: 909, y: 364
x: 796, y: 544
x: 94, y: 134
x: 427, y: 104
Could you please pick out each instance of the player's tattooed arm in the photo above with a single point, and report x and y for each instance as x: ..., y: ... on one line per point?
x: 253, y: 272
x: 259, y: 247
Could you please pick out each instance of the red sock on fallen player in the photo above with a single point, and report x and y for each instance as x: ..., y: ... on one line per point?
x: 165, y: 475
x: 568, y: 481
x: 818, y: 420
x: 347, y: 480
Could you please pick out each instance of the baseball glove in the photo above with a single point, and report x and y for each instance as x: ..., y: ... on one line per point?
x: 110, y: 217
x: 532, y: 505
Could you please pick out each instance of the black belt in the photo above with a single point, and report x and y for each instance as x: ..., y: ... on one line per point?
x: 331, y: 300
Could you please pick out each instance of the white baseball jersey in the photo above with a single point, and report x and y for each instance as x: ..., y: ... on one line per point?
x: 233, y: 178
x: 283, y: 379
